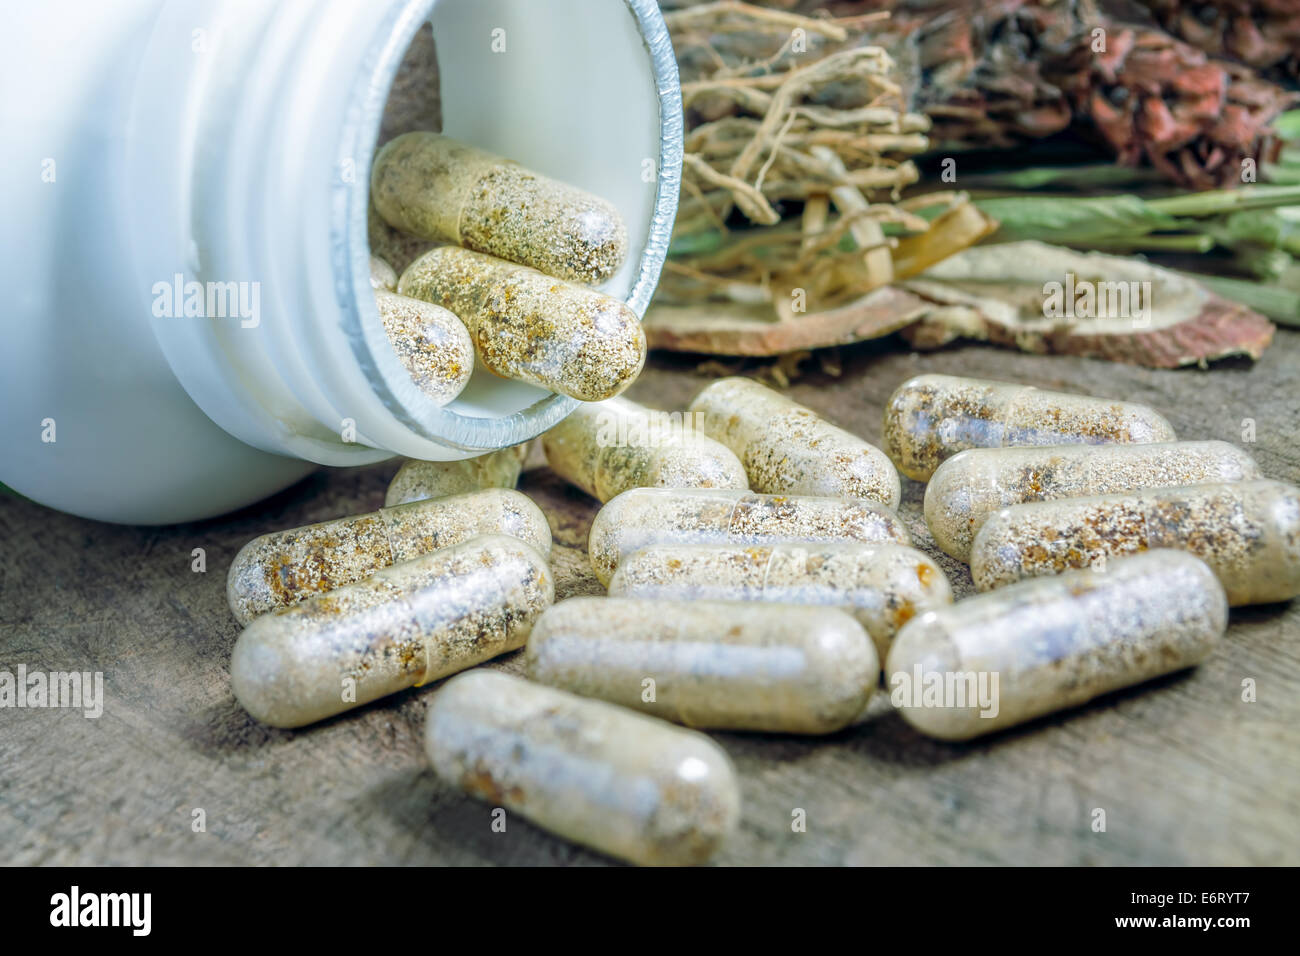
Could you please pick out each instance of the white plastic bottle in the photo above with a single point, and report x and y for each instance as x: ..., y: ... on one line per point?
x: 153, y: 145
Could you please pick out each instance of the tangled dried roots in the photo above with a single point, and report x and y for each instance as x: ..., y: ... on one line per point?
x: 785, y: 109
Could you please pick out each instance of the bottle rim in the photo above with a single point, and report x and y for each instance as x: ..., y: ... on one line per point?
x: 350, y: 246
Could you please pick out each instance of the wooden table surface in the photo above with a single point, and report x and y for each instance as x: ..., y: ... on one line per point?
x: 1185, y: 770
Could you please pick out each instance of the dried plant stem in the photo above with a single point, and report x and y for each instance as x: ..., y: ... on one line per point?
x: 749, y: 199
x: 866, y: 232
x: 815, y: 211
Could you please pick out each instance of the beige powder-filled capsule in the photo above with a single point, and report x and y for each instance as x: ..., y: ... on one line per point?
x: 620, y: 782
x: 709, y: 664
x: 643, y: 517
x: 285, y: 567
x: 973, y: 484
x: 382, y: 275
x: 1247, y: 532
x: 419, y: 480
x: 531, y: 327
x: 431, y: 343
x: 1036, y: 647
x: 882, y: 585
x: 788, y: 449
x: 932, y: 417
x: 436, y: 188
x: 406, y: 625
x: 607, y: 447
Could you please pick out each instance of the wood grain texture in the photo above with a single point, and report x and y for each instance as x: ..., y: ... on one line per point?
x: 1186, y: 771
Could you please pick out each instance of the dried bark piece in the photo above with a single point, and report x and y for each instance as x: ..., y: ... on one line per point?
x: 997, y: 294
x: 723, y: 329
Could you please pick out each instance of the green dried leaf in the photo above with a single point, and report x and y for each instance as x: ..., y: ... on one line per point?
x: 1075, y: 221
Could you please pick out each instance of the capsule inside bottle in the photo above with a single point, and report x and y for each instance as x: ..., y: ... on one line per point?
x: 1003, y: 658
x: 531, y: 327
x: 710, y: 664
x: 285, y: 567
x: 404, y: 626
x: 932, y: 417
x: 431, y: 343
x: 382, y: 275
x: 643, y: 517
x: 604, y: 776
x: 973, y: 484
x: 437, y: 188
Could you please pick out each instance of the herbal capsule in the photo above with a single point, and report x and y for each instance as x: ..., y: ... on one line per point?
x: 620, y: 782
x: 973, y: 484
x: 407, y: 625
x: 1248, y: 533
x: 286, y: 567
x: 643, y: 517
x: 528, y: 326
x: 777, y: 668
x: 932, y: 417
x: 420, y: 480
x: 382, y: 275
x: 882, y: 585
x: 439, y: 189
x: 607, y: 447
x: 1001, y: 659
x: 788, y: 449
x: 431, y: 343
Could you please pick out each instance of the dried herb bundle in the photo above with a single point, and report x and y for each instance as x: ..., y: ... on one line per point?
x: 998, y: 73
x: 789, y: 114
x: 1264, y: 34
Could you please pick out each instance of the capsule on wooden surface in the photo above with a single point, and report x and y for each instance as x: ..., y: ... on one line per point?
x: 1247, y: 532
x: 532, y: 327
x: 643, y: 517
x: 285, y: 567
x: 1000, y: 659
x: 710, y: 664
x: 882, y: 585
x: 420, y: 480
x: 607, y: 447
x: 431, y: 343
x: 604, y: 776
x: 404, y: 626
x: 788, y: 449
x: 382, y: 275
x: 973, y: 484
x: 932, y: 417
x: 437, y: 188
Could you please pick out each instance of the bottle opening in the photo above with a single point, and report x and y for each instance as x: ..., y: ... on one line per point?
x: 583, y: 91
